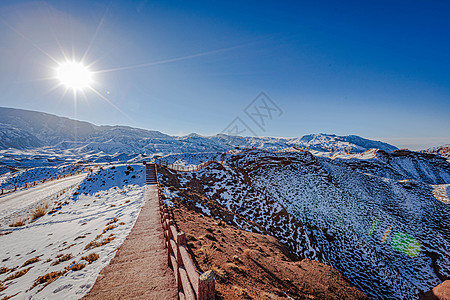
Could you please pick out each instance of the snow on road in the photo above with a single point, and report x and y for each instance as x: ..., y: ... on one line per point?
x: 12, y: 204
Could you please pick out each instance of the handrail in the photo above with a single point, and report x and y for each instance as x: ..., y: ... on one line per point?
x: 190, y: 285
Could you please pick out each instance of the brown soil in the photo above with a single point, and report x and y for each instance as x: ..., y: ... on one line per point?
x: 441, y: 292
x: 254, y: 266
x: 139, y: 270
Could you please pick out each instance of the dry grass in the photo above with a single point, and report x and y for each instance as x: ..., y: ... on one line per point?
x: 18, y: 223
x: 9, y: 297
x: 17, y: 274
x: 206, y: 256
x: 91, y: 258
x: 31, y: 261
x: 110, y: 227
x: 80, y: 237
x: 77, y: 267
x: 112, y: 221
x: 221, y: 274
x: 40, y: 211
x: 268, y: 296
x: 48, y: 278
x: 247, y: 253
x: 62, y: 258
x: 96, y: 243
x: 233, y: 266
x: 243, y: 292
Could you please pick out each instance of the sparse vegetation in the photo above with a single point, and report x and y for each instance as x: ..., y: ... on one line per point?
x: 17, y: 274
x: 4, y: 270
x: 96, y: 243
x: 206, y: 256
x: 90, y: 258
x: 2, y: 287
x: 48, y: 278
x: 62, y: 258
x: 9, y: 297
x: 220, y: 273
x: 18, y: 223
x: 40, y: 211
x: 77, y: 267
x: 31, y: 261
x: 112, y: 221
x: 110, y: 227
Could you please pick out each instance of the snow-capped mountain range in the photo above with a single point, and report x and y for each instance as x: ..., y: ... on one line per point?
x: 23, y: 129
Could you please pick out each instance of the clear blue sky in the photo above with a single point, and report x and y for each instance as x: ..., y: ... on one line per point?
x: 378, y: 69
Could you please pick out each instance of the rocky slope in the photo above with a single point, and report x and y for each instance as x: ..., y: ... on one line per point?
x: 377, y: 220
x: 248, y: 265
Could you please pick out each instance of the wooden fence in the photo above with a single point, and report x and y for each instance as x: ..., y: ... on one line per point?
x: 191, y: 285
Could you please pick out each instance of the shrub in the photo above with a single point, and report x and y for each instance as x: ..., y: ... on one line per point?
x: 48, y: 278
x: 61, y: 258
x: 95, y: 243
x: 40, y: 211
x: 112, y: 221
x: 17, y: 274
x: 18, y: 223
x: 220, y: 273
x: 91, y: 258
x: 31, y: 261
x: 77, y: 267
x: 110, y: 227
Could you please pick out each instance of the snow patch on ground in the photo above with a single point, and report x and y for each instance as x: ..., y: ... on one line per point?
x: 104, y: 209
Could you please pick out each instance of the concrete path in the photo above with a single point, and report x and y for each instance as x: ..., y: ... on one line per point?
x: 139, y: 270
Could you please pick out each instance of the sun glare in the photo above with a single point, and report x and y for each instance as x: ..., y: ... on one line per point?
x: 74, y: 75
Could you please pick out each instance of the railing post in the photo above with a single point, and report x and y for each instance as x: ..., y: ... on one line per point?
x: 180, y: 241
x: 206, y: 286
x: 169, y: 246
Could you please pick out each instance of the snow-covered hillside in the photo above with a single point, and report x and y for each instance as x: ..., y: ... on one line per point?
x: 11, y: 137
x: 58, y: 253
x: 380, y: 218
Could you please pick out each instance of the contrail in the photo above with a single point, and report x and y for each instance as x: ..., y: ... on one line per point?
x: 171, y: 59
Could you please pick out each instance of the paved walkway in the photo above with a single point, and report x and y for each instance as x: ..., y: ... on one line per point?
x: 139, y: 270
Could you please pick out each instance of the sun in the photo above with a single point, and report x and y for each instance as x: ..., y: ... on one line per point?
x: 74, y: 75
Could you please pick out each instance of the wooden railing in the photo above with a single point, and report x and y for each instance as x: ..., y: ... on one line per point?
x: 191, y: 285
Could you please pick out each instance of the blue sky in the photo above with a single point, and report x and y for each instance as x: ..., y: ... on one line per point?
x: 377, y: 69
